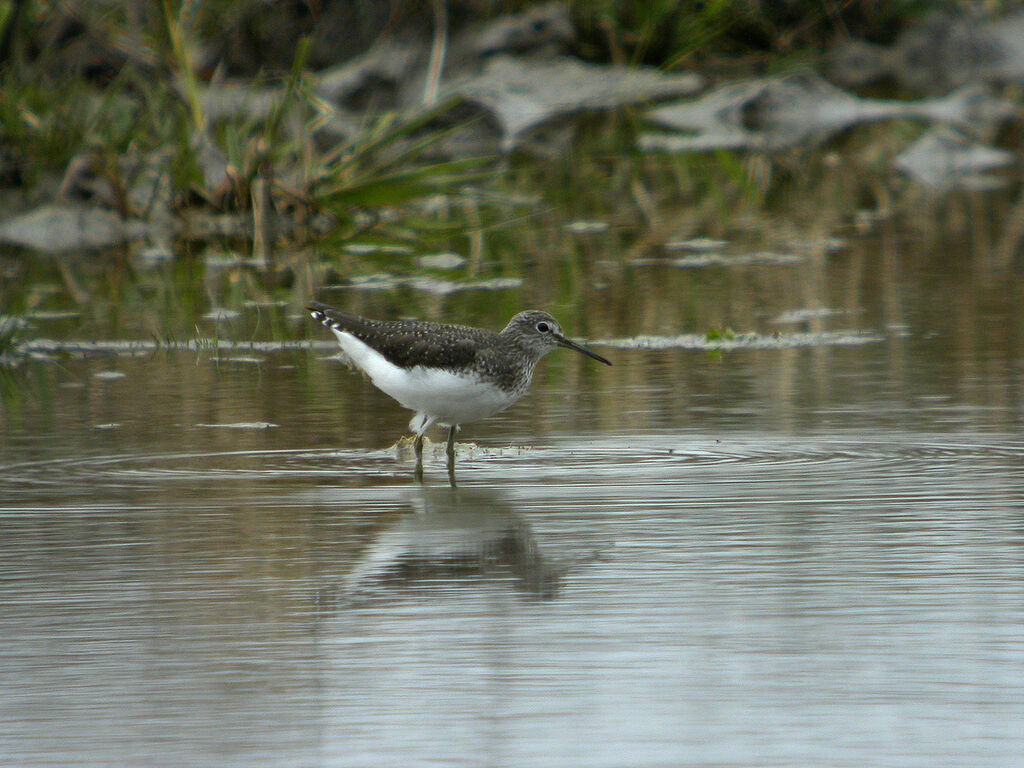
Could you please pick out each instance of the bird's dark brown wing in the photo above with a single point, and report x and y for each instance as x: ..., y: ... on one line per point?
x: 408, y: 344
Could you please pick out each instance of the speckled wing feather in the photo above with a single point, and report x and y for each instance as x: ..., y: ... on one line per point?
x: 409, y: 344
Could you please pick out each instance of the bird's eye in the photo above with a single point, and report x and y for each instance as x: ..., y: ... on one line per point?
x: 543, y: 327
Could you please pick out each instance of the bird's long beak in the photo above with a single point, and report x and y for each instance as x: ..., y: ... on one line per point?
x: 580, y: 348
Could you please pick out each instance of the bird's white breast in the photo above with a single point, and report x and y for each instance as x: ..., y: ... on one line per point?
x: 447, y: 397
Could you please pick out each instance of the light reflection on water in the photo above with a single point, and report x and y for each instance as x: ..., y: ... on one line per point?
x: 776, y: 555
x: 759, y: 598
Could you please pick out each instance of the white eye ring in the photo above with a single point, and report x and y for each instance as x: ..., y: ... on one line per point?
x: 543, y: 327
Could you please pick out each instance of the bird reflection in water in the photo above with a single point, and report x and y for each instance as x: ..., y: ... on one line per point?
x: 452, y: 536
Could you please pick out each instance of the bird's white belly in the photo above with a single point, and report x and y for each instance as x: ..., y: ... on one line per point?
x: 450, y: 398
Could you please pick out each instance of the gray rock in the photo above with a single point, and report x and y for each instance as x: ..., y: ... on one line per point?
x: 522, y: 94
x: 942, y: 158
x: 69, y: 227
x: 776, y: 112
x: 939, y: 52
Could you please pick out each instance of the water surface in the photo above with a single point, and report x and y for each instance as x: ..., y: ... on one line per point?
x: 805, y: 556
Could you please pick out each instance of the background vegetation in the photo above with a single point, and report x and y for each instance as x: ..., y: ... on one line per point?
x: 97, y: 96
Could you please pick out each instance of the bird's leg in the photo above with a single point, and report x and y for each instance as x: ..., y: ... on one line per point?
x: 420, y: 424
x: 450, y: 450
x: 417, y: 447
x: 451, y: 443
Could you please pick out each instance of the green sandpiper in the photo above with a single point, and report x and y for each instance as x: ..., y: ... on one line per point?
x: 447, y: 374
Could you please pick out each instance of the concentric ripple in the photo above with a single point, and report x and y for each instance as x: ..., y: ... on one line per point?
x: 625, y: 460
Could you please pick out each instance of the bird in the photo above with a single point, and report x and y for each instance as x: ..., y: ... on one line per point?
x: 447, y: 374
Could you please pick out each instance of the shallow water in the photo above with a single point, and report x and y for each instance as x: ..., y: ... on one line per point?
x: 785, y: 528
x: 808, y: 556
